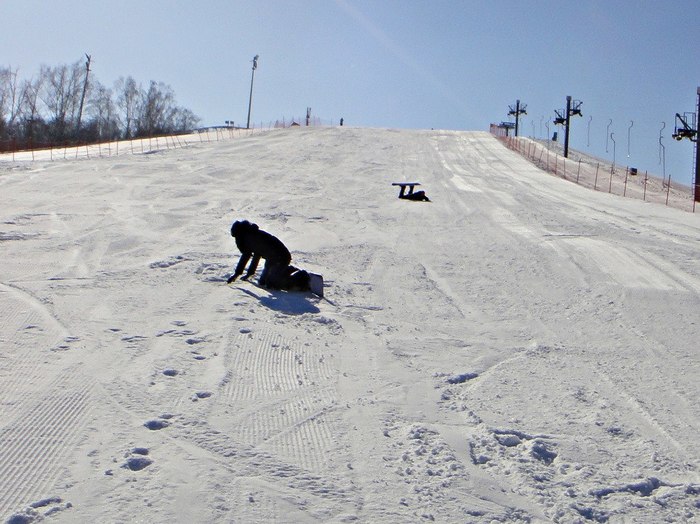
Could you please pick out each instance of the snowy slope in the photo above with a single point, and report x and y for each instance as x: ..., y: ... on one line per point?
x: 520, y: 349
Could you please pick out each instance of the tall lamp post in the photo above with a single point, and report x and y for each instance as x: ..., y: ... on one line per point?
x: 517, y: 111
x: 612, y: 139
x: 662, y: 149
x: 686, y: 131
x: 252, y: 77
x: 82, y: 97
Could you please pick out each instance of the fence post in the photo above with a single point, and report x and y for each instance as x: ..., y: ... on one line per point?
x: 624, y: 192
x: 595, y: 183
x: 646, y: 177
x: 668, y: 188
x: 578, y: 173
x: 610, y: 187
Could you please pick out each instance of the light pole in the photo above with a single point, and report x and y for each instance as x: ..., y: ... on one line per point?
x: 82, y: 98
x: 252, y: 77
x: 612, y: 138
x: 686, y: 131
x: 662, y: 149
x: 629, y: 133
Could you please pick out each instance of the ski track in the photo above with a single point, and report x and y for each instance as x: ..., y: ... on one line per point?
x: 269, y: 370
x: 245, y: 461
x: 32, y: 339
x: 36, y: 448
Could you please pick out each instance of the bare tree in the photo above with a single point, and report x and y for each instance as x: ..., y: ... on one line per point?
x: 30, y: 106
x: 4, y: 97
x: 150, y: 110
x: 128, y: 101
x: 155, y: 110
x: 159, y: 114
x: 10, y: 100
x: 48, y: 108
x: 184, y: 120
x: 60, y: 93
x: 104, y: 121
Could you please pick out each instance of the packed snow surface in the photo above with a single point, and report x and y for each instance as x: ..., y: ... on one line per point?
x: 519, y: 349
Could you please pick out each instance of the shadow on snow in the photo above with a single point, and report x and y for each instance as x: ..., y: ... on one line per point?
x: 289, y: 303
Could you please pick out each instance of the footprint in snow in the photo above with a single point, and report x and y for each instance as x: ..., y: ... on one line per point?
x: 461, y: 378
x: 137, y: 463
x: 156, y: 424
x: 201, y: 395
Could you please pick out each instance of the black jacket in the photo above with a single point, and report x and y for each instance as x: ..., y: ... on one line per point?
x: 253, y: 242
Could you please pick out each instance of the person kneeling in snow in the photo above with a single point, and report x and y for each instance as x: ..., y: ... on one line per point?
x: 256, y: 243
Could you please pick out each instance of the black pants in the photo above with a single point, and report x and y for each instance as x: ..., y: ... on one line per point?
x: 274, y: 274
x: 283, y: 276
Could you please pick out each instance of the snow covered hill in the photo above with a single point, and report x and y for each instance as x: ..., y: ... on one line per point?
x: 520, y: 349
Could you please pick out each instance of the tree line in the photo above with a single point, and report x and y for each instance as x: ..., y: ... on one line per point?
x: 66, y: 104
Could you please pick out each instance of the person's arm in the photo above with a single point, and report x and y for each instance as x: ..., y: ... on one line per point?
x: 253, y: 267
x: 239, y: 268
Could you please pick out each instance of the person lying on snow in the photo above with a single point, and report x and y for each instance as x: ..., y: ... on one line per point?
x: 255, y: 243
x: 417, y: 196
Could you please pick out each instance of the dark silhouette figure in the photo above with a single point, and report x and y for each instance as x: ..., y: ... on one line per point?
x: 417, y: 196
x: 256, y: 243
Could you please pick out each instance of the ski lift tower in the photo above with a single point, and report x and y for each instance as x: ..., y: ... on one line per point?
x: 685, y: 130
x: 573, y: 107
x: 517, y: 111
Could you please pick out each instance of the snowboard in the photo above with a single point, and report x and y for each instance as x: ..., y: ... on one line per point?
x: 316, y: 284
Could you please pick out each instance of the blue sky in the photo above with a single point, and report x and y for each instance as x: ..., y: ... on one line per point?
x: 447, y: 64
